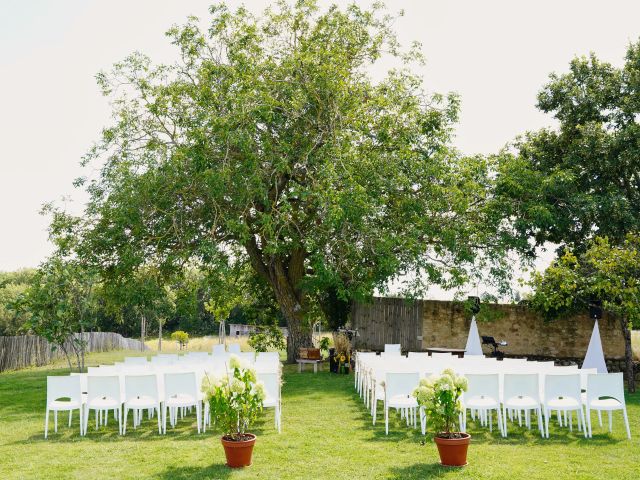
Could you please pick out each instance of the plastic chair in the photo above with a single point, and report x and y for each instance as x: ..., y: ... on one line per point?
x: 58, y: 390
x: 605, y: 392
x: 392, y: 348
x: 522, y: 392
x: 562, y: 393
x: 273, y: 396
x: 418, y: 356
x: 218, y: 349
x: 249, y: 357
x: 135, y: 360
x: 234, y: 348
x: 483, y: 396
x: 180, y: 391
x: 104, y: 393
x: 141, y: 393
x: 398, y: 394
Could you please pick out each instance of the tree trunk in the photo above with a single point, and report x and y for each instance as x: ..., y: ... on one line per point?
x: 628, y: 356
x: 159, y: 335
x: 143, y: 328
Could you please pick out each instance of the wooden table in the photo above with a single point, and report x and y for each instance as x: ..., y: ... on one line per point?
x: 302, y: 361
x: 453, y: 351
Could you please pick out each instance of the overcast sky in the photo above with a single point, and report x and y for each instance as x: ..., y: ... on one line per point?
x: 495, y: 54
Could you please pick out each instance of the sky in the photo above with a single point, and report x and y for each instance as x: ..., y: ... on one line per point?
x: 495, y: 54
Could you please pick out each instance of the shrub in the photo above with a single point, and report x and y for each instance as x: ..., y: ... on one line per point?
x: 267, y: 337
x: 440, y: 397
x: 181, y: 337
x: 234, y: 400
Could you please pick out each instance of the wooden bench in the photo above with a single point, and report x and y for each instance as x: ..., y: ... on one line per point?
x: 303, y: 361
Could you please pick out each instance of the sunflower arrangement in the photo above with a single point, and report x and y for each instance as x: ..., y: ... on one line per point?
x: 342, y: 355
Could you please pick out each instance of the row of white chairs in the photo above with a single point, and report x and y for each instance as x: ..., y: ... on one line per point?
x: 159, y: 389
x: 173, y: 358
x: 514, y: 387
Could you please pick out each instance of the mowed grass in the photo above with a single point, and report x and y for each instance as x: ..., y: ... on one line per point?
x: 327, y: 434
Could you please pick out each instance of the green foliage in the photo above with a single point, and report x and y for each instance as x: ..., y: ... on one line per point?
x: 325, y: 343
x: 566, y: 185
x: 235, y: 400
x: 60, y: 304
x: 12, y: 286
x: 440, y: 397
x: 268, y: 144
x: 488, y: 310
x: 181, y: 337
x: 267, y: 337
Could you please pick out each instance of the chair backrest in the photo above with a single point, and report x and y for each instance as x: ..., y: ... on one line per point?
x: 605, y: 385
x: 107, y: 386
x: 135, y: 360
x: 562, y: 385
x: 443, y: 355
x: 392, y: 348
x: 268, y: 357
x: 584, y: 374
x: 219, y: 349
x: 521, y: 385
x: 401, y: 383
x: 184, y: 383
x: 197, y: 357
x: 249, y: 357
x: 234, y: 348
x: 140, y: 386
x: 158, y: 360
x: 64, y: 387
x: 271, y: 384
x: 483, y: 385
x: 418, y: 356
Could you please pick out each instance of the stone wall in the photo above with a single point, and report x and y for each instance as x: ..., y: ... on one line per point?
x: 446, y: 324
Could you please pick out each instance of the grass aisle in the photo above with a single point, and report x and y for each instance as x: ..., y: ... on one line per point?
x: 327, y: 434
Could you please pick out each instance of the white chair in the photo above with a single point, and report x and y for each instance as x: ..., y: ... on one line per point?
x: 218, y: 349
x: 418, y: 356
x: 197, y: 357
x: 267, y: 362
x: 443, y: 356
x: 483, y: 396
x: 104, y: 393
x: 392, y: 348
x: 141, y: 393
x: 605, y: 393
x: 273, y: 396
x: 249, y: 357
x: 180, y: 391
x: 398, y: 391
x: 234, y: 348
x: 58, y: 390
x: 135, y: 360
x: 562, y: 394
x: 522, y: 392
x: 162, y: 360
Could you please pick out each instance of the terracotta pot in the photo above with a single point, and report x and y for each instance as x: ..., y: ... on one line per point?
x: 239, y: 453
x: 453, y: 451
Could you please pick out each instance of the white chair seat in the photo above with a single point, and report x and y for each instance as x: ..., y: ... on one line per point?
x: 481, y: 402
x: 606, y: 404
x: 64, y: 405
x: 401, y: 401
x: 521, y: 402
x: 142, y: 402
x: 103, y: 403
x: 565, y: 403
x: 181, y: 400
x: 269, y: 402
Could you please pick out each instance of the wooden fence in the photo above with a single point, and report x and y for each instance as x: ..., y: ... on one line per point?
x: 388, y: 320
x: 26, y: 350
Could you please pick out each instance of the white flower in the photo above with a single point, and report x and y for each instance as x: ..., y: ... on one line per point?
x: 259, y: 390
x: 237, y: 386
x: 236, y: 362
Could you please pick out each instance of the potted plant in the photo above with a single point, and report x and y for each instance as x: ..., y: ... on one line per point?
x: 440, y: 398
x: 235, y: 401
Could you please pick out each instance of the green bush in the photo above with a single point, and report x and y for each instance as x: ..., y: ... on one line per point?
x: 181, y: 337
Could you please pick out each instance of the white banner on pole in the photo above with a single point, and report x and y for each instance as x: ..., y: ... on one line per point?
x: 474, y: 347
x: 595, y: 356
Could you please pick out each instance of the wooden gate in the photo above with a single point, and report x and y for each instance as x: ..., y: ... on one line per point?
x: 388, y: 320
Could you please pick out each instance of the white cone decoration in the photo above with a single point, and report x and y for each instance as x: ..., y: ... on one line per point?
x: 473, y: 340
x: 595, y: 356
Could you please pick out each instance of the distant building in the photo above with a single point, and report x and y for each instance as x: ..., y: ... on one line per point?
x: 240, y: 330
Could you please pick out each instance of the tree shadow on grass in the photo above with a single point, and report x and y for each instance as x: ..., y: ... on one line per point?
x: 424, y: 470
x: 211, y: 472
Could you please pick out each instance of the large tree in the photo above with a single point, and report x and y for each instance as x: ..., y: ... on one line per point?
x: 606, y: 272
x: 581, y: 179
x: 268, y: 142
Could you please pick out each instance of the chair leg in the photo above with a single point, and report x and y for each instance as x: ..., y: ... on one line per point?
x: 46, y: 423
x: 626, y: 421
x: 55, y: 421
x: 546, y: 421
x: 540, y: 420
x: 386, y: 419
x: 610, y: 421
x: 582, y: 416
x: 157, y: 411
x: 70, y: 414
x: 589, y: 431
x: 164, y: 418
x: 124, y: 420
x: 600, y: 418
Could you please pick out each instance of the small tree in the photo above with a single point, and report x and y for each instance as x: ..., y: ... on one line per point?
x: 610, y: 273
x: 61, y: 305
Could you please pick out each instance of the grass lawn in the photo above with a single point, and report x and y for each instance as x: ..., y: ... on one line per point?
x: 327, y: 434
